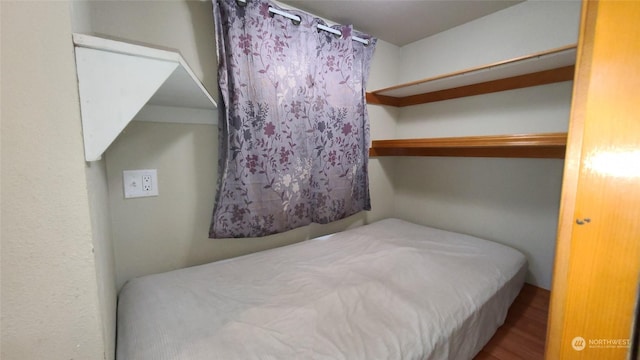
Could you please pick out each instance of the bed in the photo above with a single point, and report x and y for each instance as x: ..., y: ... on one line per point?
x: 388, y: 290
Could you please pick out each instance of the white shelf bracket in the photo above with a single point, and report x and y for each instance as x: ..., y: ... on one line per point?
x: 116, y: 80
x: 125, y: 82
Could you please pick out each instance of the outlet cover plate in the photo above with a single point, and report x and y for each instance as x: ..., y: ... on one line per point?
x: 140, y: 183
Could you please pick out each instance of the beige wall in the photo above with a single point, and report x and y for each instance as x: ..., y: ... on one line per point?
x: 512, y: 201
x: 382, y: 119
x: 522, y: 111
x: 58, y: 297
x: 142, y: 248
x: 183, y: 25
x: 522, y: 29
x: 50, y: 298
x: 170, y: 231
x: 103, y: 251
x: 60, y: 215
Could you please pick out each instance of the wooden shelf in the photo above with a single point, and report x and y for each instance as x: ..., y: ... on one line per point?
x: 541, y: 68
x: 547, y: 145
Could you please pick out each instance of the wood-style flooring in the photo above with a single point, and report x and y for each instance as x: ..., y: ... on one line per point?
x: 524, y: 331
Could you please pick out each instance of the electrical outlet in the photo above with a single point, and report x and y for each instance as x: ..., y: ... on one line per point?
x: 140, y: 183
x: 146, y: 183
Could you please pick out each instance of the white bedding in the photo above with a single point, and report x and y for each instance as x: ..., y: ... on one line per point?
x: 389, y: 290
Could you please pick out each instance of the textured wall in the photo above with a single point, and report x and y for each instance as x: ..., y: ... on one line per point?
x: 158, y: 234
x: 186, y: 26
x: 171, y: 231
x: 103, y: 250
x: 50, y: 307
x: 518, y: 30
x: 512, y: 201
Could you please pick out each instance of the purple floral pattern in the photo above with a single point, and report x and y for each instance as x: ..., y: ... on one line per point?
x: 294, y: 132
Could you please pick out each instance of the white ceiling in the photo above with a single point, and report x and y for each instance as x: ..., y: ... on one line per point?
x: 401, y: 22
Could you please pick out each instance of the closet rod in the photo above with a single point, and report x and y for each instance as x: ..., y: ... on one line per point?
x: 296, y: 19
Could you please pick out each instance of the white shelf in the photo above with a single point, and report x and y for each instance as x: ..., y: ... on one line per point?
x: 119, y: 82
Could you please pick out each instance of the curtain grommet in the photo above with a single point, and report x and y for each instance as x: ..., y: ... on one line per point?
x: 241, y: 3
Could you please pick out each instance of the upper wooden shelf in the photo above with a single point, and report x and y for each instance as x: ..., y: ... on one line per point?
x: 547, y: 145
x: 541, y: 68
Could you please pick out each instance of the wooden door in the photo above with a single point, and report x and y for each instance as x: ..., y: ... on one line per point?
x: 598, y: 252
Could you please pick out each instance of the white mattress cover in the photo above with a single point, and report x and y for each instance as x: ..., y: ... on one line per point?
x: 389, y: 290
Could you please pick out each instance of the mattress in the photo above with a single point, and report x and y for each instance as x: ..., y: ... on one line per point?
x: 388, y: 290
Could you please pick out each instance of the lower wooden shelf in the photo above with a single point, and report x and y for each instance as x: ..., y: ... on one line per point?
x: 547, y: 145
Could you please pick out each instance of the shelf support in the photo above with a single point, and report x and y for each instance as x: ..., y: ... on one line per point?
x: 117, y: 81
x: 113, y: 88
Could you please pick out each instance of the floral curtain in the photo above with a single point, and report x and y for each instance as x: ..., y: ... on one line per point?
x: 294, y: 132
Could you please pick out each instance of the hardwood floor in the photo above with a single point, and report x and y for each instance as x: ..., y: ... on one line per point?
x: 523, y: 334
